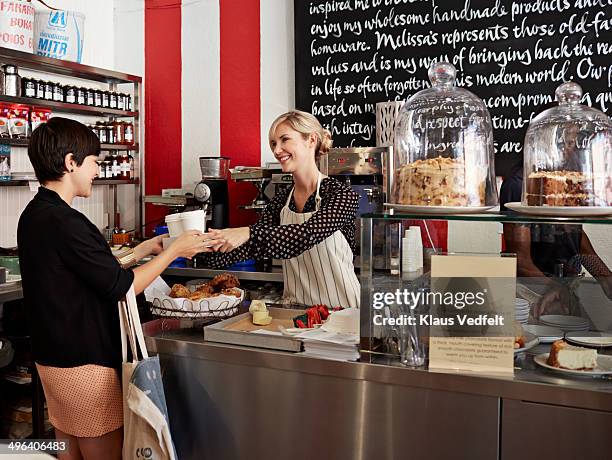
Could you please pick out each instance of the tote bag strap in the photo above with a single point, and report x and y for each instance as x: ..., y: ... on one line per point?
x: 134, y: 322
x: 127, y: 334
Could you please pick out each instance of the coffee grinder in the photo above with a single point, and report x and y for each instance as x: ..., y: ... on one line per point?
x: 212, y: 190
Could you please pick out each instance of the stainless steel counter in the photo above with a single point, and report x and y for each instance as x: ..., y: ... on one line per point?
x: 230, y: 402
x: 10, y: 291
x: 276, y: 275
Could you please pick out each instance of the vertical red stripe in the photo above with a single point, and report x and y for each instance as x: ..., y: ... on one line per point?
x: 162, y: 99
x: 240, y: 96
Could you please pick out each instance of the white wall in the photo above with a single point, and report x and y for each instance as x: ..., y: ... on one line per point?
x: 277, y: 66
x: 201, y: 113
x: 98, y: 48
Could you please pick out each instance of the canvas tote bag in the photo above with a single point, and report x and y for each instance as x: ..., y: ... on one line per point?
x: 145, y: 416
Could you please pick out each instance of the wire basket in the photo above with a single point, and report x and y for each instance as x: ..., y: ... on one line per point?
x: 222, y: 306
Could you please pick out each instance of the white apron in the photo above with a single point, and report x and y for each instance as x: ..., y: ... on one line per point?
x: 324, y: 274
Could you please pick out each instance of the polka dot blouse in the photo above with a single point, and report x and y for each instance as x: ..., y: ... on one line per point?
x: 270, y: 239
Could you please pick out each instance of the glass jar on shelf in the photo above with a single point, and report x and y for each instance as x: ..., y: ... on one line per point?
x: 444, y: 153
x: 128, y: 133
x: 40, y: 89
x: 90, y: 97
x: 58, y: 92
x: 98, y: 98
x: 119, y: 130
x: 81, y: 95
x: 568, y: 154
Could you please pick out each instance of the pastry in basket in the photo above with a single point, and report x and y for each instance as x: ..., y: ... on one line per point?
x: 179, y: 291
x: 224, y: 281
x: 199, y: 295
x: 206, y: 290
x: 568, y: 356
x: 231, y: 292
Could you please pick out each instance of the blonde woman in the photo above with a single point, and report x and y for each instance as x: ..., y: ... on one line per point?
x: 311, y: 226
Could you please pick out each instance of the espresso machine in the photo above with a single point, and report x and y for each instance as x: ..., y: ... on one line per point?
x: 212, y: 191
x: 367, y: 170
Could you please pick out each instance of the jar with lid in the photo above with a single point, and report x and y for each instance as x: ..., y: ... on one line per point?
x: 40, y: 89
x: 111, y: 133
x: 102, y: 132
x: 130, y: 165
x: 444, y: 147
x: 12, y: 80
x: 108, y: 164
x: 127, y: 101
x: 95, y: 129
x: 567, y: 157
x: 28, y: 87
x: 58, y: 92
x: 48, y: 91
x: 112, y: 102
x: 119, y: 129
x: 70, y: 94
x: 106, y: 99
x: 124, y: 164
x: 129, y: 133
x: 120, y: 101
x: 81, y: 95
x: 115, y: 168
x: 90, y: 97
x: 98, y: 98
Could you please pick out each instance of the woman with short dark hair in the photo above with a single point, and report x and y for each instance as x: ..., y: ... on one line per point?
x: 71, y: 284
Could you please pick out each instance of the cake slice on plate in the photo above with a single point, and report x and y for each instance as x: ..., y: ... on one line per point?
x: 568, y: 356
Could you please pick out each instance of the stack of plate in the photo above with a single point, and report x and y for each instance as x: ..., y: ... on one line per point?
x: 521, y: 312
x: 545, y: 334
x: 590, y: 339
x: 566, y: 323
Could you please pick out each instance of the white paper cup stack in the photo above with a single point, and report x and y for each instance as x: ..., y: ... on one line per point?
x: 175, y: 227
x: 181, y: 222
x: 521, y: 310
x: 412, y: 250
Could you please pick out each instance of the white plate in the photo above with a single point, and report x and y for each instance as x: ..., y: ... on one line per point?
x: 562, y: 321
x: 438, y: 209
x: 530, y: 342
x: 560, y: 211
x: 604, y: 366
x: 546, y: 334
x: 590, y: 338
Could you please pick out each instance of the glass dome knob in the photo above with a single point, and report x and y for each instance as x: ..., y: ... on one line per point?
x: 442, y: 73
x: 569, y: 93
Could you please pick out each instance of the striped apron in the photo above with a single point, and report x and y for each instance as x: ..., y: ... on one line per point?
x: 323, y: 274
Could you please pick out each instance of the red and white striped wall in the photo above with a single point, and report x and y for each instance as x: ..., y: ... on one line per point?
x: 217, y: 72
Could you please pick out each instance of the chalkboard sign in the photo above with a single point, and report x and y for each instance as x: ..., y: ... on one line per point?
x: 351, y: 54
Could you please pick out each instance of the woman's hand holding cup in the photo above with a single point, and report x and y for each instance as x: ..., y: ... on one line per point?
x: 192, y: 242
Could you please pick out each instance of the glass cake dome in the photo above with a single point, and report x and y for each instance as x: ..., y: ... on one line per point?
x: 568, y: 154
x: 444, y: 154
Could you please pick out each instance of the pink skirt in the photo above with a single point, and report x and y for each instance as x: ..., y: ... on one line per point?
x: 84, y: 401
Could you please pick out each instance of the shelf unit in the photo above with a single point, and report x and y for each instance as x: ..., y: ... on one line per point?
x: 104, y: 147
x: 110, y: 78
x: 21, y: 183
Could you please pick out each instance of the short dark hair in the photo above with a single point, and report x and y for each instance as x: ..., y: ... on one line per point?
x: 53, y: 140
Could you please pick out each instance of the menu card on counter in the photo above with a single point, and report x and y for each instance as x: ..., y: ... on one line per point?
x: 485, y: 348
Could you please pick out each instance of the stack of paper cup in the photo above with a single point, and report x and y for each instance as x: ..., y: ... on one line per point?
x: 181, y: 222
x: 175, y: 227
x: 194, y: 220
x: 412, y: 250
